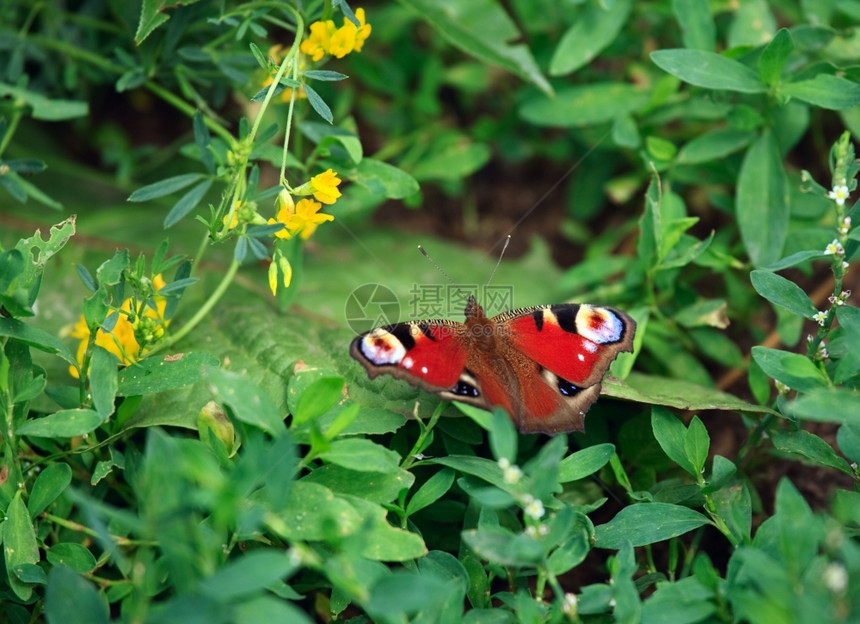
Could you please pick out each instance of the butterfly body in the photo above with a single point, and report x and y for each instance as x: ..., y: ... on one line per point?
x: 542, y: 364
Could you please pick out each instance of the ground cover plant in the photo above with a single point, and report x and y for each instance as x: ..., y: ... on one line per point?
x: 203, y: 203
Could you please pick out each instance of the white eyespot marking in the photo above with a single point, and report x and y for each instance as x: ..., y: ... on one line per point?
x: 599, y: 324
x: 581, y: 357
x: 407, y: 362
x: 424, y: 370
x: 381, y: 347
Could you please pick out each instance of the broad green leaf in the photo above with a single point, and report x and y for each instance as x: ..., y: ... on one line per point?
x: 595, y: 28
x: 671, y: 434
x: 848, y: 439
x: 584, y: 105
x: 479, y: 467
x: 722, y: 470
x: 110, y: 272
x: 500, y: 546
x: 19, y: 545
x: 383, y: 180
x: 708, y: 69
x: 432, y: 490
x: 831, y: 405
x: 773, y: 57
x: 361, y: 454
x: 63, y: 424
x: 714, y: 145
x: 483, y: 29
x: 793, y: 369
x: 676, y: 393
x: 253, y: 572
x: 317, y: 399
x: 762, y: 201
x: 826, y: 91
x: 379, y: 540
x: 849, y: 364
x: 574, y: 549
x: 264, y: 608
x: 793, y: 259
x: 454, y: 162
x: 697, y: 442
x: 376, y: 487
x: 783, y: 292
x: 72, y: 555
x: 164, y: 187
x: 403, y: 594
x: 248, y: 402
x: 44, y: 108
x: 811, y: 447
x: 734, y: 505
x: 647, y: 523
x: 71, y: 599
x: 159, y: 374
x: 704, y: 313
x: 503, y: 436
x: 103, y: 381
x: 36, y: 338
x: 698, y: 30
x: 586, y: 462
x: 50, y: 483
x: 752, y: 24
x: 681, y: 602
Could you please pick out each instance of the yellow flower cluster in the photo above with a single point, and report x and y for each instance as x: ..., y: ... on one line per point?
x: 148, y: 323
x: 304, y: 217
x: 325, y: 38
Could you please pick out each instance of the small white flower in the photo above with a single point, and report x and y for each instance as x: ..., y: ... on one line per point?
x: 504, y: 463
x: 844, y: 265
x: 834, y: 248
x: 835, y: 578
x: 819, y: 317
x: 839, y: 194
x: 512, y: 475
x: 845, y: 226
x: 534, y: 509
x: 569, y: 605
x: 531, y: 531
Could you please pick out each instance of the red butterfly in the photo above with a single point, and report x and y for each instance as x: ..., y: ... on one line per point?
x: 542, y: 364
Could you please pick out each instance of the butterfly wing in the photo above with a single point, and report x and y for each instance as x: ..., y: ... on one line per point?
x: 428, y: 354
x: 572, y: 346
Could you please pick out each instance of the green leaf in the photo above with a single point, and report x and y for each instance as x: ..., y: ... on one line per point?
x: 251, y: 573
x: 159, y: 374
x: 671, y: 434
x: 103, y: 381
x: 36, y: 338
x: 698, y: 30
x: 71, y: 599
x: 584, y: 105
x: 19, y: 545
x: 404, y: 593
x: 793, y: 369
x: 773, y: 57
x: 63, y: 424
x: 248, y: 402
x: 361, y: 454
x: 325, y: 75
x: 376, y: 487
x: 583, y: 463
x: 317, y: 399
x: 71, y: 555
x: 811, y: 447
x: 762, y: 201
x: 826, y: 91
x: 503, y: 436
x: 50, y: 483
x: 164, y: 187
x: 500, y: 546
x: 697, y: 442
x: 714, y: 145
x: 454, y: 162
x: 708, y: 69
x: 676, y: 393
x: 793, y: 259
x: 384, y: 180
x: 479, y: 467
x: 186, y: 203
x: 734, y: 505
x: 647, y: 523
x: 264, y: 608
x: 318, y: 104
x: 483, y: 29
x: 44, y: 108
x: 433, y: 489
x: 832, y: 405
x: 783, y: 292
x: 595, y: 28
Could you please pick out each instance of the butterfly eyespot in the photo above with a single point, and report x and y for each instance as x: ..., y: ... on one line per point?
x: 465, y: 389
x: 567, y: 388
x: 599, y: 325
x: 381, y: 347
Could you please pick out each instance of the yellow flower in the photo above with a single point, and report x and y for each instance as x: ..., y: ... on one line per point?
x: 286, y: 212
x: 325, y: 186
x: 121, y: 340
x: 233, y: 222
x: 319, y: 41
x: 325, y: 39
x: 308, y: 217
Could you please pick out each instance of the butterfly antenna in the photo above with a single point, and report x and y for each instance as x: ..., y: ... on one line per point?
x: 499, y: 261
x: 434, y: 263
